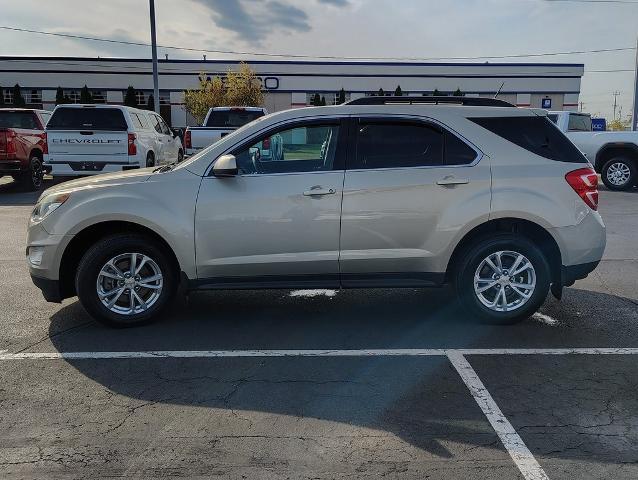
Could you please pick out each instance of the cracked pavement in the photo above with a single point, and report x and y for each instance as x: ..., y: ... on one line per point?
x: 318, y: 418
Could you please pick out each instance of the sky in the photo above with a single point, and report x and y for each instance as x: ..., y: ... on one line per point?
x: 370, y: 28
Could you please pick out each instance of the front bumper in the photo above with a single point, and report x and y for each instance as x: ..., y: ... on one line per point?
x: 11, y: 167
x: 50, y: 288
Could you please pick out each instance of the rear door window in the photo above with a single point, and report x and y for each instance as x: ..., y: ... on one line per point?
x: 137, y: 123
x: 535, y: 134
x: 233, y: 118
x: 457, y: 152
x: 111, y: 119
x: 395, y: 144
x: 18, y: 119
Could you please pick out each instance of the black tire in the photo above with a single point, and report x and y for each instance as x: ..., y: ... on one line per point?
x: 612, y: 165
x: 31, y: 179
x: 180, y: 156
x: 150, y: 159
x: 469, y: 262
x: 104, y: 250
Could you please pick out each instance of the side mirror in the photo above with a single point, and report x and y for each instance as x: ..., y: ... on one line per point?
x: 225, y: 166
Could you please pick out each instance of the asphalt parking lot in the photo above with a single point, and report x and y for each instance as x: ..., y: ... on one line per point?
x: 323, y: 385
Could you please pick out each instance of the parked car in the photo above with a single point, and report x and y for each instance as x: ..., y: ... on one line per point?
x: 23, y: 145
x: 379, y: 192
x: 92, y: 139
x: 613, y: 154
x: 219, y: 122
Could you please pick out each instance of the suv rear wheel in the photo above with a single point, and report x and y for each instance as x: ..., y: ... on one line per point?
x: 503, y: 279
x: 619, y: 173
x: 150, y: 160
x: 125, y: 280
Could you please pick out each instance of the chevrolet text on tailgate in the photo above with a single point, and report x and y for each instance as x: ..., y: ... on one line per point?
x: 92, y: 139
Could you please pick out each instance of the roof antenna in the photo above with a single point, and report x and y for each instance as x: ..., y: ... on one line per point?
x: 499, y: 90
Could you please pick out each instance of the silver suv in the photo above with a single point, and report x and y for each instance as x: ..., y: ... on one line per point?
x: 379, y: 192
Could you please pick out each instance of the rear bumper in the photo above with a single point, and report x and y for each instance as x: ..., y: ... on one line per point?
x: 571, y: 273
x: 50, y: 288
x: 72, y: 169
x: 11, y: 167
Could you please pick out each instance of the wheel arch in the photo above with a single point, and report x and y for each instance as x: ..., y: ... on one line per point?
x: 87, y: 237
x: 530, y: 230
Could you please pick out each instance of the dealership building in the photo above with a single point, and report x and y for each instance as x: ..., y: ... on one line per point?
x: 288, y: 84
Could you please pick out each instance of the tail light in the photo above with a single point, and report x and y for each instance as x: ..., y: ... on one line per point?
x: 132, y: 148
x: 266, y: 143
x: 584, y: 181
x: 44, y: 143
x: 187, y: 139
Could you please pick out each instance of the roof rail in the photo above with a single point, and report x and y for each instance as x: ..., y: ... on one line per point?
x: 431, y: 100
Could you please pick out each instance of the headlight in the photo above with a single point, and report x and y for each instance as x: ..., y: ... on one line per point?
x: 47, y: 205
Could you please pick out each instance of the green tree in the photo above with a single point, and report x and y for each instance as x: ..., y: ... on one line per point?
x: 436, y: 93
x: 59, y: 96
x: 239, y: 88
x: 458, y: 93
x: 130, y: 99
x: 18, y: 99
x: 381, y: 93
x: 85, y: 95
x: 398, y: 92
x: 341, y: 97
x: 316, y: 100
x: 150, y: 103
x: 323, y: 101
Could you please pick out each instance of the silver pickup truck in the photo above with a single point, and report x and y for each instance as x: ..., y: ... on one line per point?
x: 613, y: 154
x: 219, y: 122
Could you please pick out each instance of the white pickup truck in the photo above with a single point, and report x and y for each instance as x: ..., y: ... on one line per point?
x: 613, y: 154
x: 219, y: 122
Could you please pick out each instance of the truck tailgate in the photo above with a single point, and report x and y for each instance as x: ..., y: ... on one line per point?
x: 65, y: 146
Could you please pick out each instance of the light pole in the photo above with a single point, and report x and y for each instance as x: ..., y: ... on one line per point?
x: 154, y: 50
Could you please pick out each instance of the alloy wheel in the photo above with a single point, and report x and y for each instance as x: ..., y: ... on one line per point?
x: 504, y: 281
x: 129, y: 283
x: 618, y: 174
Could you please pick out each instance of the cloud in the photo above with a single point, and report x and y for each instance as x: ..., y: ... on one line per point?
x: 253, y: 21
x: 336, y: 3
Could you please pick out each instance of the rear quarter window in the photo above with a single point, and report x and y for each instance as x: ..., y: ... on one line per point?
x: 111, y: 119
x: 534, y: 134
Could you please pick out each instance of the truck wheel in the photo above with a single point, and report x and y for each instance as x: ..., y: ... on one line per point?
x: 125, y: 280
x: 619, y: 173
x: 31, y: 179
x: 502, y: 279
x: 150, y: 159
x: 180, y: 156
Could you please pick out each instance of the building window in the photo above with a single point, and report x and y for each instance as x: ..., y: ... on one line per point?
x: 141, y: 97
x: 165, y: 98
x: 8, y: 96
x: 331, y: 97
x: 73, y: 95
x: 32, y: 96
x: 99, y: 96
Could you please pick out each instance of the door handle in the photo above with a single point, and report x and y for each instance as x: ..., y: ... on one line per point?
x: 452, y: 180
x: 318, y: 191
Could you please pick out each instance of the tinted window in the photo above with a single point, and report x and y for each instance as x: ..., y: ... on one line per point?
x: 87, y: 119
x: 535, y: 134
x: 300, y: 149
x: 163, y: 126
x: 553, y: 117
x: 233, y: 118
x: 397, y: 144
x: 155, y: 123
x: 457, y: 152
x: 579, y: 123
x: 18, y: 120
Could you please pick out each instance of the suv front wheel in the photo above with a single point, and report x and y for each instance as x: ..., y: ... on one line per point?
x: 125, y: 280
x: 503, y: 279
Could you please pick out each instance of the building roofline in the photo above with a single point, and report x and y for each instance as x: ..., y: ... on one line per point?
x: 294, y: 62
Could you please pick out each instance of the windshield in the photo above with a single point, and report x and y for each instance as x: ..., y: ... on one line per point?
x: 87, y: 119
x: 18, y: 120
x: 579, y: 123
x: 233, y: 118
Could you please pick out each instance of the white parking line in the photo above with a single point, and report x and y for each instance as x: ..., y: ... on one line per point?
x: 387, y: 352
x: 513, y: 443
